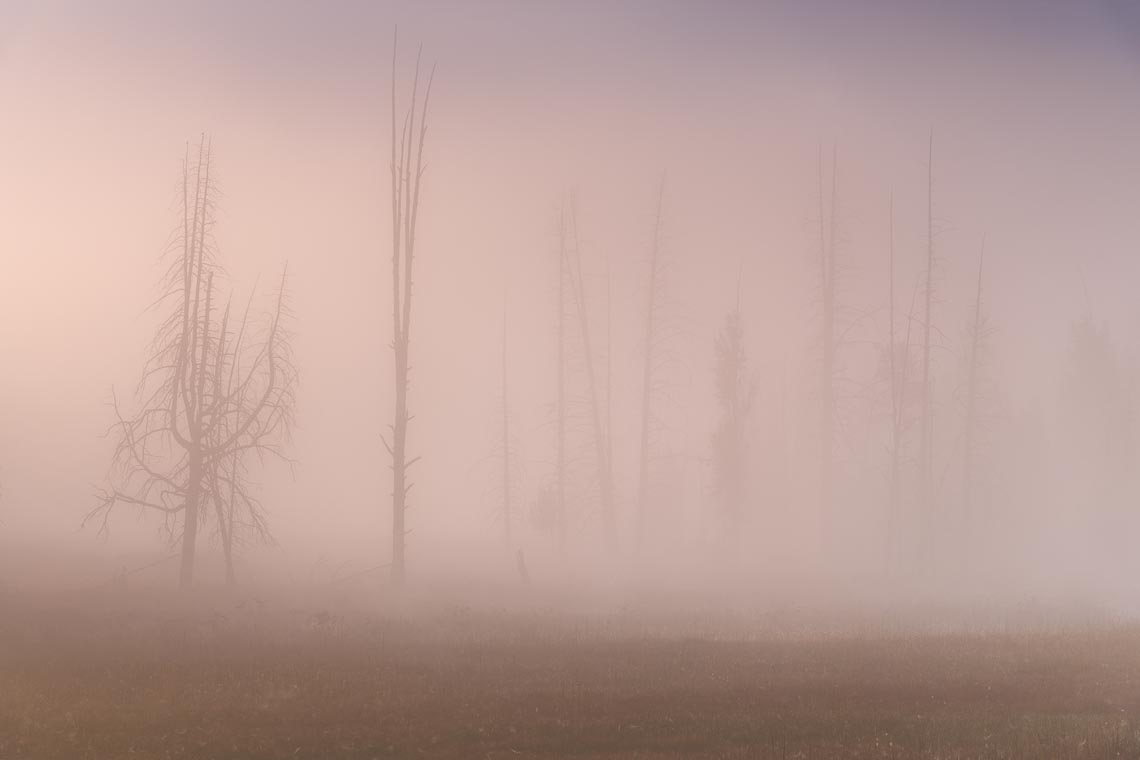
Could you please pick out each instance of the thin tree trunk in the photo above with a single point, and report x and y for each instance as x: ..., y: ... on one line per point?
x: 896, y: 401
x: 926, y: 433
x: 227, y: 510
x: 225, y: 515
x: 827, y: 425
x: 399, y: 466
x: 399, y: 426
x: 506, y: 441
x: 900, y: 377
x: 190, y: 519
x: 604, y: 474
x: 971, y: 409
x: 228, y: 522
x: 405, y: 189
x: 196, y: 452
x: 647, y: 369
x: 609, y: 426
x: 560, y: 518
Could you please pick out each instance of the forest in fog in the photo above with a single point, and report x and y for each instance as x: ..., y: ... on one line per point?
x: 538, y: 378
x: 738, y: 301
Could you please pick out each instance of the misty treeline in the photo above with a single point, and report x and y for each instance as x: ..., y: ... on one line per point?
x: 896, y: 444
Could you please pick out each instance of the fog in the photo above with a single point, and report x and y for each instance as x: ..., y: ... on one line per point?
x: 541, y: 112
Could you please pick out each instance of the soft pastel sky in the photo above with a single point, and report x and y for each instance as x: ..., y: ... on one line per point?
x: 1034, y: 106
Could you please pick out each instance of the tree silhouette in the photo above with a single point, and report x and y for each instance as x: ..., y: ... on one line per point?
x: 212, y: 392
x: 407, y: 170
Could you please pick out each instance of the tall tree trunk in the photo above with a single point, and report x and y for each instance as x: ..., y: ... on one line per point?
x: 560, y: 517
x: 399, y: 465
x: 231, y: 577
x: 224, y: 511
x: 971, y: 410
x: 647, y: 369
x: 827, y: 417
x: 190, y: 518
x: 407, y: 170
x: 228, y: 550
x: 228, y: 554
x: 896, y: 401
x: 506, y: 441
x: 196, y: 452
x: 900, y: 376
x: 605, y: 476
x: 926, y: 433
x: 609, y: 421
x: 399, y: 425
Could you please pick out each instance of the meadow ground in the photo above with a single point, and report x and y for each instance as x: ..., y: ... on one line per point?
x: 240, y: 680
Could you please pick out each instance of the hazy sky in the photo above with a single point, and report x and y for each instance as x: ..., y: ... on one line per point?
x: 1034, y: 107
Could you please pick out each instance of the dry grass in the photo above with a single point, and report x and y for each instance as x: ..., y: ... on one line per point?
x: 99, y: 682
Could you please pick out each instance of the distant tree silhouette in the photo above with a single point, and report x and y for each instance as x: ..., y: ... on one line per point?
x: 559, y: 500
x: 926, y: 418
x: 510, y: 461
x: 827, y: 274
x: 407, y: 171
x: 978, y: 334
x: 573, y: 260
x: 212, y: 393
x: 653, y: 349
x: 896, y: 364
x: 1099, y: 408
x: 735, y: 392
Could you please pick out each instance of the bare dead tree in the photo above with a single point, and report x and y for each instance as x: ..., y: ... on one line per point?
x: 225, y: 496
x: 577, y: 286
x: 240, y: 514
x: 503, y: 490
x: 1099, y: 413
x: 506, y: 439
x: 896, y: 402
x: 609, y: 411
x: 560, y: 500
x: 735, y: 392
x: 209, y: 395
x: 898, y: 367
x: 926, y: 433
x: 407, y: 171
x: 653, y: 305
x: 552, y: 509
x: 979, y: 334
x: 827, y: 235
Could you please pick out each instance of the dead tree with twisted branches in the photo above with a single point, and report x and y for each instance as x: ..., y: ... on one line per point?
x: 213, y: 392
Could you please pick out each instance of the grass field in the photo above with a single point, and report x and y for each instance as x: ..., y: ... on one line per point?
x: 236, y: 681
